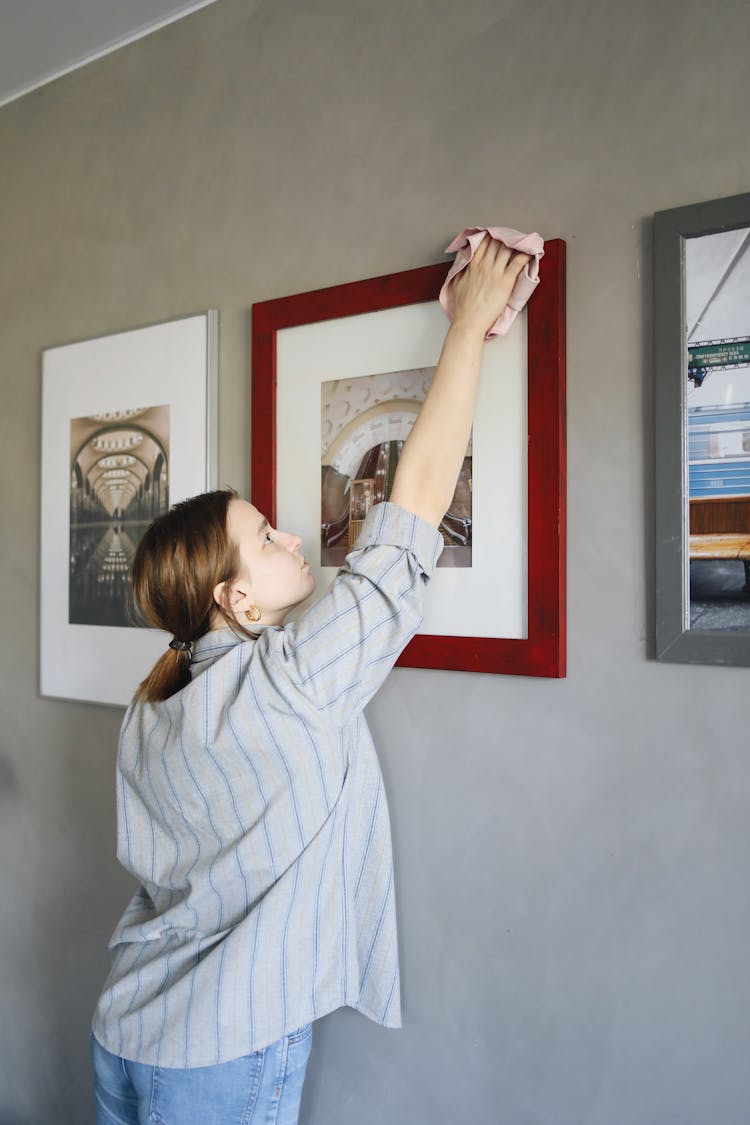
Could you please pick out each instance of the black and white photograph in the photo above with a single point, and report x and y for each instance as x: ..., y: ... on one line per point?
x: 119, y: 482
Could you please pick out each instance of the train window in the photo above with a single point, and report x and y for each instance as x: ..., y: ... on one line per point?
x: 728, y: 443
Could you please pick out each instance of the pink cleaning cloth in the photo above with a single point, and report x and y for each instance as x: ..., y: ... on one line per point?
x: 466, y: 244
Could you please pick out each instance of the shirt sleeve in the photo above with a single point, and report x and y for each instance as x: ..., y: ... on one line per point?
x: 342, y: 648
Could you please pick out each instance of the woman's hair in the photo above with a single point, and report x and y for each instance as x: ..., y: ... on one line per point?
x: 178, y: 563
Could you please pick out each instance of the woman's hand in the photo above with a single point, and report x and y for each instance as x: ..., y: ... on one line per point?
x: 482, y: 290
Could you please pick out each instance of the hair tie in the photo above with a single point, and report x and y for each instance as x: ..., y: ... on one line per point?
x: 180, y: 646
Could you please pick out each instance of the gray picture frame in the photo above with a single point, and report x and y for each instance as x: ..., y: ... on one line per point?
x: 675, y: 640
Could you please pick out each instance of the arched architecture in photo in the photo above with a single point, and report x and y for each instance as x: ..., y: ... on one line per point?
x: 365, y: 422
x: 119, y: 482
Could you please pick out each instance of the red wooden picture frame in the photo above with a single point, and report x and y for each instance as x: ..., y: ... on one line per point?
x: 542, y: 651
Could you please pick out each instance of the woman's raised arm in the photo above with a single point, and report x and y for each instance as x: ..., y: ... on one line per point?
x: 434, y: 451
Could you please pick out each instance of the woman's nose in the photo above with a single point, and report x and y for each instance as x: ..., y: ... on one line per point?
x: 291, y: 542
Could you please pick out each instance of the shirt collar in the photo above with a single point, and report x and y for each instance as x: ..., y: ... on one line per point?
x: 218, y: 642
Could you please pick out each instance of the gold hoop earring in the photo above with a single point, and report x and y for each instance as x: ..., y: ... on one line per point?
x: 253, y: 614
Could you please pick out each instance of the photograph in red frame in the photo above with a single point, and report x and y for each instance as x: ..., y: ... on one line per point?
x: 542, y: 651
x: 365, y: 421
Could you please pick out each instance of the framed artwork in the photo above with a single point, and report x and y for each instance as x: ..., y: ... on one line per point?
x: 128, y: 429
x: 338, y: 378
x: 702, y: 411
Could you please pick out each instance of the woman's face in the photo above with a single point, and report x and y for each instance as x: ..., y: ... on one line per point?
x: 273, y: 574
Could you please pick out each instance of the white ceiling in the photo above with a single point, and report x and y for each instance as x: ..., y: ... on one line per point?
x: 42, y: 39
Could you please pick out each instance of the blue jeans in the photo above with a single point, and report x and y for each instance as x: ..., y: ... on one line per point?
x: 264, y: 1088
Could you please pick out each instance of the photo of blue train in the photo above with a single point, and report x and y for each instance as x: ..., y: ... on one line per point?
x: 717, y: 308
x: 719, y: 450
x: 719, y: 515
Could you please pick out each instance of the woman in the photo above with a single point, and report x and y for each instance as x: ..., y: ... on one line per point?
x: 251, y: 810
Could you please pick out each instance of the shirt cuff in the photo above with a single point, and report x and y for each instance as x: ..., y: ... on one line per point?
x: 389, y: 525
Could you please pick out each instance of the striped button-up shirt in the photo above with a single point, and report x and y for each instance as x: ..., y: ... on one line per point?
x: 251, y: 811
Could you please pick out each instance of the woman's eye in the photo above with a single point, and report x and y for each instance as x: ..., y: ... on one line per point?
x: 268, y: 537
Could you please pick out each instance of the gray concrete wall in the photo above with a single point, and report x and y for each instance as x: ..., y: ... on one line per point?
x: 572, y: 856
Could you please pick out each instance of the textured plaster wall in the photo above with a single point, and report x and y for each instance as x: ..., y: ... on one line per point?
x: 571, y: 856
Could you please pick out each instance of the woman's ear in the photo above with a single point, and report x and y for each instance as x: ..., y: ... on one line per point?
x: 232, y: 599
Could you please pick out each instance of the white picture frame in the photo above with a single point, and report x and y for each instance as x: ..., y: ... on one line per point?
x: 107, y: 404
x: 488, y: 599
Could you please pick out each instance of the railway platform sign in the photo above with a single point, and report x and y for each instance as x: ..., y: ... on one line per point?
x: 717, y: 355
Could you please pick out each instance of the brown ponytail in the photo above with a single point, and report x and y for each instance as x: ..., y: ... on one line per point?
x: 181, y: 558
